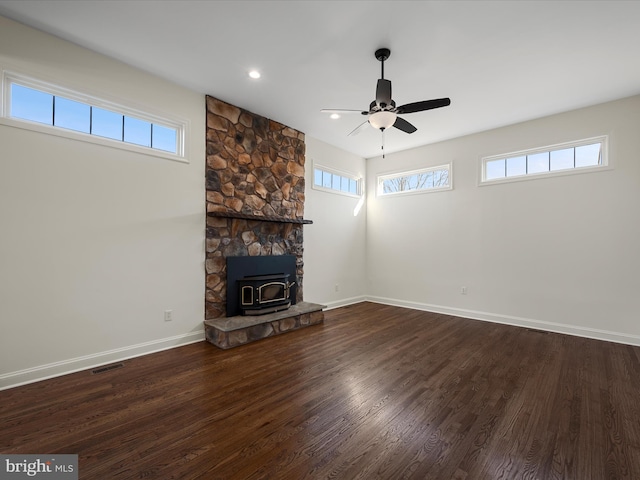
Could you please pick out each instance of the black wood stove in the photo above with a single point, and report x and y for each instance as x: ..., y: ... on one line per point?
x: 260, y: 285
x: 265, y: 293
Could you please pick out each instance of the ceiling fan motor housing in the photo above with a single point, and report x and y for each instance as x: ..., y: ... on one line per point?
x: 373, y: 107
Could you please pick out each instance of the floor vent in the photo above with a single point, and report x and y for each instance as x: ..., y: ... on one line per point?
x: 107, y: 368
x: 537, y: 331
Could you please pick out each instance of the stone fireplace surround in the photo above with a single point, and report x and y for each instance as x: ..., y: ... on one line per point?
x: 255, y: 206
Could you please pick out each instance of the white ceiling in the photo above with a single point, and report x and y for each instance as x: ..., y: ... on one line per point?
x: 500, y: 62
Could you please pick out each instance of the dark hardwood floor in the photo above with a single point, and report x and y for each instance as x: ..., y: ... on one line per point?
x: 377, y: 392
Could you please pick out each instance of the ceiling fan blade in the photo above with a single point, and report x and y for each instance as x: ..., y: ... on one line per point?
x: 358, y: 129
x: 336, y: 110
x: 402, y: 124
x: 424, y: 105
x: 383, y: 93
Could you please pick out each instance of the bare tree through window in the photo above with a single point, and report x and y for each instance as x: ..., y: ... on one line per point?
x: 437, y: 178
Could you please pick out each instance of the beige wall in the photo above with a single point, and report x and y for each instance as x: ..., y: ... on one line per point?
x: 97, y: 242
x: 555, y: 253
x: 334, y: 246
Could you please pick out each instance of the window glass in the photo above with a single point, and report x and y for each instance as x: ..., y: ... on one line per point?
x: 495, y: 169
x: 335, y: 182
x: 441, y: 178
x: 353, y: 186
x: 344, y: 184
x: 588, y: 155
x: 538, y: 162
x: 427, y: 180
x: 72, y: 115
x: 389, y: 186
x: 137, y: 131
x: 326, y: 179
x: 562, y: 159
x: 516, y: 166
x: 106, y: 123
x: 163, y: 138
x: 30, y: 104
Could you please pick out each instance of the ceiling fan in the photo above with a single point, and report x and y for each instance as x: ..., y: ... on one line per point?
x: 383, y: 112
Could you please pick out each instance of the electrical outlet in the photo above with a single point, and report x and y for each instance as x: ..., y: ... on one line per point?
x: 337, y: 287
x: 463, y: 290
x: 168, y: 315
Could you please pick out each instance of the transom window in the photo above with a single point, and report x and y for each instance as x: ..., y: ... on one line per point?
x: 572, y: 157
x: 416, y: 181
x: 36, y: 103
x: 336, y: 182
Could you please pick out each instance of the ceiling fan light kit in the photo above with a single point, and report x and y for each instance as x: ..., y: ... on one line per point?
x: 383, y: 112
x: 382, y: 119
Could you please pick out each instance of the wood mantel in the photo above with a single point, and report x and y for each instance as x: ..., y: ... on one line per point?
x: 260, y: 218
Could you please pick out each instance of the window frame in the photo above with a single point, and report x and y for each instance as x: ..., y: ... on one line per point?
x: 10, y: 77
x: 352, y: 176
x: 603, y: 166
x: 380, y: 178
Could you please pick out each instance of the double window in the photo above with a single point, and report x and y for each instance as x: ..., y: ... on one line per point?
x: 431, y: 179
x: 573, y: 157
x: 38, y: 105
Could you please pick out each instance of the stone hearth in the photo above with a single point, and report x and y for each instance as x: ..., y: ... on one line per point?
x: 231, y: 332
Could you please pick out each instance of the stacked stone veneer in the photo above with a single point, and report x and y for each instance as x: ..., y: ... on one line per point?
x: 255, y: 167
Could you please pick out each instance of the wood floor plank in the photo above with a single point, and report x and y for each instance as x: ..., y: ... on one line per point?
x: 376, y: 392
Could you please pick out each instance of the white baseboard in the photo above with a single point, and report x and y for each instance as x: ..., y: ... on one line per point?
x: 594, y: 333
x: 56, y: 369
x: 344, y: 302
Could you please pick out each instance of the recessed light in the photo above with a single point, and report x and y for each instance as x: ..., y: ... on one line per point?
x: 334, y: 116
x: 254, y: 74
